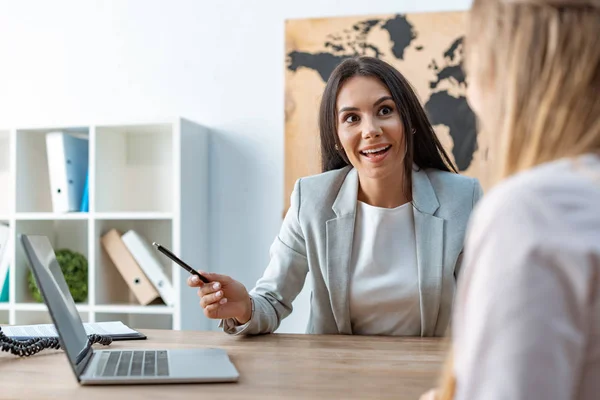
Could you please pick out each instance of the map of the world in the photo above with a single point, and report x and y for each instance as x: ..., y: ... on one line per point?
x: 427, y: 48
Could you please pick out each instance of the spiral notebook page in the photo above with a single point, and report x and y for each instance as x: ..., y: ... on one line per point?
x: 48, y: 330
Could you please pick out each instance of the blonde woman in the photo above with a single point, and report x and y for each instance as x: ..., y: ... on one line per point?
x: 527, y: 318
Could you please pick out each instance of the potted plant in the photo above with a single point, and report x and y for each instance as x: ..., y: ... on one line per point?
x: 74, y: 267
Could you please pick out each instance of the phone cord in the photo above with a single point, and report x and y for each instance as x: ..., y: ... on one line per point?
x: 29, y: 347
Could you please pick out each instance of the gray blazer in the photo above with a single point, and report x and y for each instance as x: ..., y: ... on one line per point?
x: 316, y: 237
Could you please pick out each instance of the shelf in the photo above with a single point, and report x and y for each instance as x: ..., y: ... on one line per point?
x: 147, y: 176
x: 45, y: 216
x: 107, y: 308
x: 132, y: 215
x: 138, y: 320
x: 42, y: 307
x: 133, y: 309
x: 34, y: 317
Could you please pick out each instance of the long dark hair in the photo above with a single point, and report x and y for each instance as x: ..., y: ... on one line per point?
x: 424, y: 148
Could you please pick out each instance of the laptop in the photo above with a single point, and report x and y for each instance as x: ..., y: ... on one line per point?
x: 105, y: 367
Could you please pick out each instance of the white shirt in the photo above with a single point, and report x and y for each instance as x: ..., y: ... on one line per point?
x: 384, y: 289
x: 527, y: 312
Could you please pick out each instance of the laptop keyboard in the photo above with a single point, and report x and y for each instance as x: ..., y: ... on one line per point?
x: 133, y: 363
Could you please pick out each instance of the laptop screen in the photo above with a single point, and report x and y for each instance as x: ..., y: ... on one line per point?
x: 57, y: 297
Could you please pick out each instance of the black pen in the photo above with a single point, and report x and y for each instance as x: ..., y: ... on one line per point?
x: 176, y: 259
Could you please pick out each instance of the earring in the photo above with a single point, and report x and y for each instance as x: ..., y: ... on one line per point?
x: 413, y: 131
x: 337, y: 147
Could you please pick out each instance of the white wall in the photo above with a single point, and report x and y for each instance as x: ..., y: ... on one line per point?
x: 220, y: 63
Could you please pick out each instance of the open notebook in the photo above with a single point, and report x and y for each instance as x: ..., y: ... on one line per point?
x: 115, y: 329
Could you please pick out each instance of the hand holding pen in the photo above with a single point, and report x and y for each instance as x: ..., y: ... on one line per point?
x: 221, y: 297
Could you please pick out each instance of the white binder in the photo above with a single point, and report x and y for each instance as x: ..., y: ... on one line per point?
x: 146, y: 258
x: 4, y: 233
x: 67, y: 167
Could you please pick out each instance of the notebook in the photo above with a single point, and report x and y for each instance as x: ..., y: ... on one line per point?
x: 115, y: 329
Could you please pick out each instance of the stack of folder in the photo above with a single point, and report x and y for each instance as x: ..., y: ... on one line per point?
x: 137, y: 263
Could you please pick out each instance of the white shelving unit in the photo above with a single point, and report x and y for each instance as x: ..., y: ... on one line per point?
x: 148, y: 176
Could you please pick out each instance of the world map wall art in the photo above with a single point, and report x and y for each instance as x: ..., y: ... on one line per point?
x: 427, y: 48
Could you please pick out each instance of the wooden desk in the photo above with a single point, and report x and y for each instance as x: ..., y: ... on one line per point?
x: 271, y: 367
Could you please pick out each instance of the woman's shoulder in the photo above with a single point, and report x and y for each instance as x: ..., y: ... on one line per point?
x: 322, y: 185
x: 450, y: 179
x: 326, y: 178
x: 549, y: 213
x: 551, y: 182
x: 454, y: 189
x: 558, y: 196
x: 314, y: 195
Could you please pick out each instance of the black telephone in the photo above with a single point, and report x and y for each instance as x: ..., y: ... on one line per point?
x: 29, y: 347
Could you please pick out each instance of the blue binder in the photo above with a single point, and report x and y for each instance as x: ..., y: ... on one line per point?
x: 4, y: 290
x: 85, y: 200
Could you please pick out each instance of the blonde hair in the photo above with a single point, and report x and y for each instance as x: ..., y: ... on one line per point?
x: 536, y: 64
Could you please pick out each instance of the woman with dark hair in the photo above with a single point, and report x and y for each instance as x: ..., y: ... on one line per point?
x: 380, y: 230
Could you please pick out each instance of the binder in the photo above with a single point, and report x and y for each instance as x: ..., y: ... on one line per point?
x: 145, y: 256
x: 4, y: 261
x: 4, y: 295
x: 4, y: 234
x: 85, y: 199
x: 135, y: 278
x: 67, y: 168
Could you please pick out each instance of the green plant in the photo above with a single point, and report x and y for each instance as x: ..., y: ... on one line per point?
x: 74, y: 266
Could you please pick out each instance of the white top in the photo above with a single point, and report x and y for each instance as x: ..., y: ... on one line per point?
x: 384, y: 289
x: 527, y: 312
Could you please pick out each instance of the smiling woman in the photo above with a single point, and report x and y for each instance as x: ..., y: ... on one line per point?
x: 368, y: 103
x: 380, y: 231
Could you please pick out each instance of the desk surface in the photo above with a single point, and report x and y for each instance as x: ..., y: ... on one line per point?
x: 270, y: 366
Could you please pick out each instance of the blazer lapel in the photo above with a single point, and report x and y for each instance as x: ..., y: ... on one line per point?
x: 340, y: 235
x: 429, y: 235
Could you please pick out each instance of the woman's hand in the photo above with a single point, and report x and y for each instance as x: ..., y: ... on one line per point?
x: 430, y: 395
x: 223, y: 297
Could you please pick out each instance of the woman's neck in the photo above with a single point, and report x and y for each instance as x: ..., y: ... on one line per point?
x: 385, y: 193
